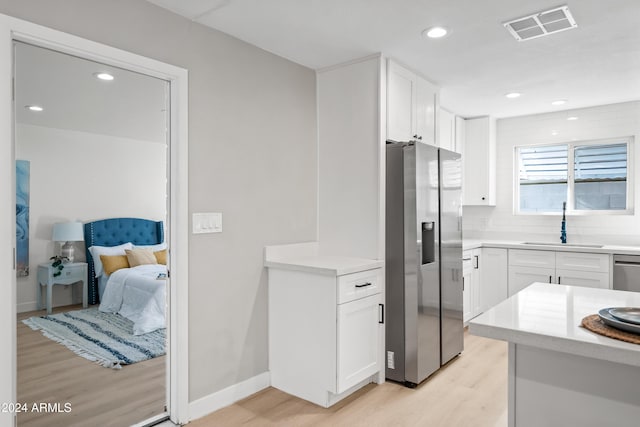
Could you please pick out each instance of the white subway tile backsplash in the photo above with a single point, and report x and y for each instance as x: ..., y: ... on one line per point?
x: 599, y: 122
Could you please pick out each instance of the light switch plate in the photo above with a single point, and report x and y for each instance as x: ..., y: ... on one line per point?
x: 208, y: 222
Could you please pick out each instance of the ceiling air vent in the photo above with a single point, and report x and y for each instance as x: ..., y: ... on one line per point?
x: 541, y: 23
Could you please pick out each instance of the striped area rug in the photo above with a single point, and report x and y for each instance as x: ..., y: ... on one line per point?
x: 104, y: 338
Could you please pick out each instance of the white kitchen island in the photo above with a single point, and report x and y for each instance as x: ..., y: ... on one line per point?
x: 561, y: 374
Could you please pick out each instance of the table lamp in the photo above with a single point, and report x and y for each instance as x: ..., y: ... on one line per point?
x: 68, y: 232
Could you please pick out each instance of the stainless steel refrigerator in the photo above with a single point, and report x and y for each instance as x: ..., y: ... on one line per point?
x: 424, y: 328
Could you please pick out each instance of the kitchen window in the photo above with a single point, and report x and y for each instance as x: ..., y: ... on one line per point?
x: 591, y: 176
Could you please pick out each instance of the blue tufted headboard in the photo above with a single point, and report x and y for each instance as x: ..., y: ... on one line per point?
x: 116, y: 231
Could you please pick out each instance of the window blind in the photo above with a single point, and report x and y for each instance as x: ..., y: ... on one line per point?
x: 543, y: 165
x: 593, y: 163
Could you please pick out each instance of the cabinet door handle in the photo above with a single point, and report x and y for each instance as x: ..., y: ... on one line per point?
x: 381, y: 317
x: 558, y: 280
x: 364, y: 285
x: 550, y: 278
x: 463, y: 284
x: 476, y: 262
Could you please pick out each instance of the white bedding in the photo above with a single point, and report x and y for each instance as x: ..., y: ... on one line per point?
x: 137, y: 294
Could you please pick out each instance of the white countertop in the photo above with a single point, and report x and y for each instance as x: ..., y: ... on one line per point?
x: 549, y: 316
x: 307, y: 257
x: 328, y: 265
x: 506, y: 244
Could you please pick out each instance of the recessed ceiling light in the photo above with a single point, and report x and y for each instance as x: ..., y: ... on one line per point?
x: 435, y: 32
x: 572, y: 118
x: 33, y: 107
x: 559, y: 102
x: 513, y: 95
x: 104, y: 76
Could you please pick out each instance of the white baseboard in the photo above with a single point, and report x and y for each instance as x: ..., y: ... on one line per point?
x: 220, y: 399
x: 26, y: 306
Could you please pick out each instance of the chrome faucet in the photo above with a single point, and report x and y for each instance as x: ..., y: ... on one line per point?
x: 563, y: 228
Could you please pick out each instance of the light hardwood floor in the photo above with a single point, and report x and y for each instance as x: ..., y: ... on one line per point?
x: 471, y: 391
x: 49, y: 372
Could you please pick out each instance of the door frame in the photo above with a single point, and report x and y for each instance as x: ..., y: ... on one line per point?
x: 178, y: 233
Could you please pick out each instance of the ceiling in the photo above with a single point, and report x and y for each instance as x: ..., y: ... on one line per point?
x: 131, y: 106
x: 475, y: 65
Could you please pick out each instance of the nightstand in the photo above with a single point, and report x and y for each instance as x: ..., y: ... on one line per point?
x: 71, y: 273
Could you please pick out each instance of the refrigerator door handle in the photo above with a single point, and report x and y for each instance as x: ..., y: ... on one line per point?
x: 381, y: 313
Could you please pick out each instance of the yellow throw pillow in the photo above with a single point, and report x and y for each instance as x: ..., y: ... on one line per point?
x: 161, y: 256
x: 111, y: 263
x: 138, y: 257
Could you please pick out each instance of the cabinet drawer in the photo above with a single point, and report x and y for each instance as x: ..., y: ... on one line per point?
x: 358, y: 285
x: 72, y: 271
x: 598, y: 263
x: 529, y: 258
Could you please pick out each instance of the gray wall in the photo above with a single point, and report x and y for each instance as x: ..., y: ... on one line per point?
x: 252, y: 156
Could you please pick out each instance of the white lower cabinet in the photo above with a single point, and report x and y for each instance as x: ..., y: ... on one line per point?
x: 582, y: 278
x: 324, y: 333
x: 567, y: 268
x: 521, y: 277
x: 485, y: 280
x: 469, y: 281
x: 357, y: 341
x: 493, y: 277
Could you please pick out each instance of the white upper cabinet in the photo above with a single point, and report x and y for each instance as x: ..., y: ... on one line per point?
x: 400, y: 100
x: 460, y: 127
x: 425, y: 111
x: 411, y: 106
x: 447, y: 130
x: 479, y: 162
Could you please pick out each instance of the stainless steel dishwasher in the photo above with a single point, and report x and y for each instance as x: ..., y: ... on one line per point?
x: 626, y: 272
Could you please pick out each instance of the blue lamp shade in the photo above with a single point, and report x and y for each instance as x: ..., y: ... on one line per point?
x: 68, y: 232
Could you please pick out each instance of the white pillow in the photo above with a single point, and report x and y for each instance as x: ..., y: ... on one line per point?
x: 96, y: 251
x: 152, y: 248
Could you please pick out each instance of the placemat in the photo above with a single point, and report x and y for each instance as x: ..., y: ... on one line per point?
x: 595, y: 324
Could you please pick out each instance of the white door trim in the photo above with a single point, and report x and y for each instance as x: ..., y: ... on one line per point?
x: 178, y: 233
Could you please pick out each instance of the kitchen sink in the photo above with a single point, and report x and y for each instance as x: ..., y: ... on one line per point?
x: 577, y: 245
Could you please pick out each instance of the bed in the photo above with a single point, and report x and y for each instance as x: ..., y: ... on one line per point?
x: 137, y: 291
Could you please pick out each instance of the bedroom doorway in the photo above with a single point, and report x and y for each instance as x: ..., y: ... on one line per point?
x: 58, y: 167
x: 91, y: 144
